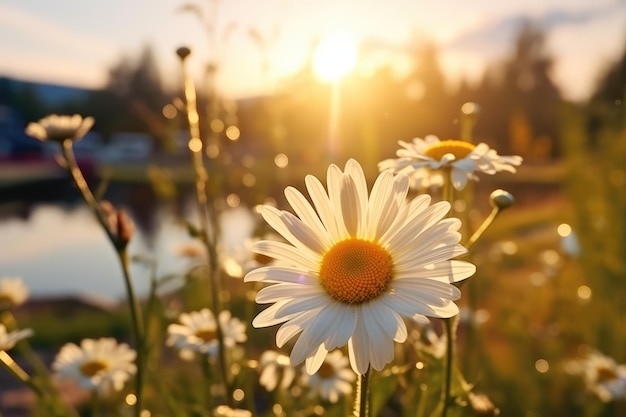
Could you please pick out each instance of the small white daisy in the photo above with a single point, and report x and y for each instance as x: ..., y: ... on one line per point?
x: 276, y: 370
x: 8, y: 340
x: 100, y: 365
x: 423, y: 160
x: 602, y: 375
x: 359, y: 263
x: 13, y: 292
x: 333, y: 379
x: 58, y: 128
x: 198, y: 332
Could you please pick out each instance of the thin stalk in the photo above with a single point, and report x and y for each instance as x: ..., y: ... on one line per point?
x: 362, y: 406
x: 209, y: 241
x: 450, y: 332
x: 10, y: 365
x: 138, y: 330
x: 449, y: 329
x: 482, y: 228
x: 135, y: 311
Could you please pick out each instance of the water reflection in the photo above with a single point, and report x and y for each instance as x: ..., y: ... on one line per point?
x: 60, y: 249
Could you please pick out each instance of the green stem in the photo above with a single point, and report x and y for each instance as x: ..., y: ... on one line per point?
x: 138, y: 330
x: 209, y: 239
x: 135, y: 311
x: 362, y: 408
x: 449, y: 331
x: 483, y: 227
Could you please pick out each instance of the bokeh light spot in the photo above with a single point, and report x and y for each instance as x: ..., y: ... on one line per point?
x: 564, y: 230
x: 584, y: 292
x: 281, y: 160
x: 542, y: 366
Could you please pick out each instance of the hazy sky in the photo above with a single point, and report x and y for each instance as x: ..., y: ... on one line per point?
x: 74, y: 41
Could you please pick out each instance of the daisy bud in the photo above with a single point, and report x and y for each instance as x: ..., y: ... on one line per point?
x: 501, y: 199
x: 183, y: 52
x: 482, y: 405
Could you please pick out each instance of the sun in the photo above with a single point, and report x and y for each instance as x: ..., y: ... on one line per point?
x: 335, y: 56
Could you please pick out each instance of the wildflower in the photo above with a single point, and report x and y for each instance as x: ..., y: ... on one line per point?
x: 333, y: 379
x: 13, y: 293
x: 423, y: 158
x: 100, y: 365
x: 198, y: 332
x: 601, y: 374
x: 226, y: 411
x: 10, y: 339
x: 360, y: 266
x: 58, y: 128
x: 275, y: 369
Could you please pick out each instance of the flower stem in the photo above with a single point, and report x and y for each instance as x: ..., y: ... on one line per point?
x: 449, y: 323
x: 482, y: 228
x: 204, y: 213
x: 135, y: 311
x: 450, y: 332
x: 138, y: 330
x: 361, y: 406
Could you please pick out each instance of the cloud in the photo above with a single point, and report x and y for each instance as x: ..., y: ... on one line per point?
x: 496, y: 36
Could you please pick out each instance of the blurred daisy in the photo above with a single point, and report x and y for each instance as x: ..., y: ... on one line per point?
x: 276, y: 370
x: 423, y: 159
x: 237, y: 263
x: 13, y: 292
x: 197, y: 332
x: 226, y: 411
x: 333, y: 379
x: 100, y: 365
x: 8, y: 340
x: 58, y: 128
x: 601, y: 374
x: 358, y: 265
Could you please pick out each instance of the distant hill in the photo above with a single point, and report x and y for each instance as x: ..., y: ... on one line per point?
x: 50, y: 94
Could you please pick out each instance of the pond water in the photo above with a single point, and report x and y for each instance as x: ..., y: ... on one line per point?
x: 60, y: 249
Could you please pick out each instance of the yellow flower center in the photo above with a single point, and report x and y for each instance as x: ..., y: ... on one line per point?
x: 355, y: 271
x: 326, y: 371
x: 459, y: 148
x: 93, y: 367
x: 206, y: 335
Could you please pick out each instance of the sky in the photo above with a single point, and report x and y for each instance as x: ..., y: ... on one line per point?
x: 75, y: 42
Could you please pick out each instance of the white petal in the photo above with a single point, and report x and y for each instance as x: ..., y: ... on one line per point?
x: 335, y: 180
x: 277, y: 292
x: 305, y: 211
x: 312, y: 337
x: 282, y: 274
x: 269, y: 316
x: 323, y: 207
x: 359, y: 347
x: 293, y: 229
x: 287, y: 253
x: 344, y: 322
x: 447, y: 271
x: 351, y: 209
x: 313, y: 363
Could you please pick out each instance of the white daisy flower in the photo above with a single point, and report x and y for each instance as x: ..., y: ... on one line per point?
x: 359, y: 264
x: 58, y: 128
x: 198, y: 332
x: 423, y: 159
x: 102, y: 364
x: 602, y: 375
x: 276, y: 370
x: 10, y: 339
x: 333, y: 379
x: 13, y: 292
